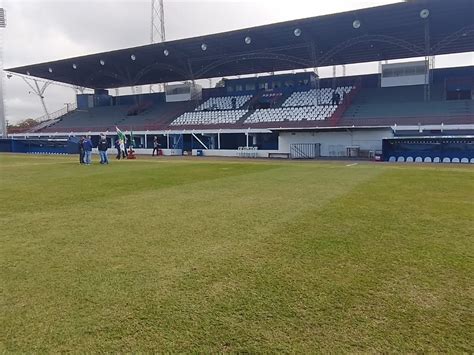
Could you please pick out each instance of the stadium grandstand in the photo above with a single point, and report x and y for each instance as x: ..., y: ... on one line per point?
x: 407, y: 110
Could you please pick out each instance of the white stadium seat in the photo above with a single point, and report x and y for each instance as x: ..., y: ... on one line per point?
x: 316, y: 97
x: 209, y: 117
x: 224, y: 103
x: 312, y: 105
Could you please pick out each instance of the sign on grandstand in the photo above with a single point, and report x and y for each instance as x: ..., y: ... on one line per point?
x: 3, y: 19
x: 183, y: 92
x: 405, y: 74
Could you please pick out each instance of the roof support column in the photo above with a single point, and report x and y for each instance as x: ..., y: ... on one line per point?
x: 3, y: 120
x: 39, y: 92
x: 427, y: 93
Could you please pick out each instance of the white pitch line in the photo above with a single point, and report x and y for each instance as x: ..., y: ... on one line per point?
x: 352, y: 164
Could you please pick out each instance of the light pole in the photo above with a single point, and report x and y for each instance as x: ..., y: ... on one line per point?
x: 157, y: 33
x: 3, y: 123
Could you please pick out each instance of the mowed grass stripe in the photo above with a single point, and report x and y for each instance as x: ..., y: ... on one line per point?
x: 373, y: 275
x: 91, y: 183
x: 299, y: 257
x: 172, y: 226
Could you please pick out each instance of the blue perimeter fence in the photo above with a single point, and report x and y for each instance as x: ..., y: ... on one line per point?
x: 39, y: 146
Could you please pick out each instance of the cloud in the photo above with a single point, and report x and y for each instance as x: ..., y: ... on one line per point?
x: 43, y: 30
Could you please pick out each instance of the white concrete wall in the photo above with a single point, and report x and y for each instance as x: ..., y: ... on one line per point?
x: 405, y: 80
x: 332, y: 143
x: 335, y: 143
x: 232, y: 152
x: 113, y: 151
x: 178, y: 97
x: 209, y: 152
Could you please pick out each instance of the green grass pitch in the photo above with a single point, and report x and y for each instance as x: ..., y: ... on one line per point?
x: 203, y: 255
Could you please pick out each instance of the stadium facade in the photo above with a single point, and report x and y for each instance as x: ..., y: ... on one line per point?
x: 295, y: 115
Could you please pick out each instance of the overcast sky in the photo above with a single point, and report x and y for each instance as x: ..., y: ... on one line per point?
x: 44, y: 30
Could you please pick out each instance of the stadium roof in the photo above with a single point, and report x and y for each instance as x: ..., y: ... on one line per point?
x: 386, y: 32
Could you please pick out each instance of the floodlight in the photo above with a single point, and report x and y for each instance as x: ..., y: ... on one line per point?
x: 3, y: 18
x: 204, y: 46
x: 166, y: 52
x: 356, y: 24
x: 102, y: 62
x: 50, y: 70
x: 74, y: 66
x: 132, y: 57
x: 297, y: 32
x: 425, y: 13
x: 248, y: 40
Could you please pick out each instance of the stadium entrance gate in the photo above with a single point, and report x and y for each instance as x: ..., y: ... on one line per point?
x: 305, y: 150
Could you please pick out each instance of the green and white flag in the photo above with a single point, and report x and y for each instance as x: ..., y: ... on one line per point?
x: 120, y: 134
x: 131, y: 140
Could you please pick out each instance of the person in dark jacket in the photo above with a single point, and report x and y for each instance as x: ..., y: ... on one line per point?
x: 102, y: 147
x: 87, y: 150
x: 156, y: 146
x: 81, y: 150
x: 119, y: 152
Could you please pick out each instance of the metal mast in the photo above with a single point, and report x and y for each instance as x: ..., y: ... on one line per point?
x: 157, y: 22
x: 3, y: 122
x: 157, y: 33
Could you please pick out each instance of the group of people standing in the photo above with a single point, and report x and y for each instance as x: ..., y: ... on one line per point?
x: 123, y: 151
x: 85, y: 150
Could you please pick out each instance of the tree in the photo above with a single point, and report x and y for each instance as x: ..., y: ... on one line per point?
x: 22, y: 125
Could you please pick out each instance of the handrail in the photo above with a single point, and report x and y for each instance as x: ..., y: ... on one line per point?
x: 447, y: 116
x: 341, y: 109
x: 56, y: 114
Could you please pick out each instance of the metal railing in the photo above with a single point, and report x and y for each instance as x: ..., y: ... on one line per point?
x: 56, y: 114
x: 305, y: 150
x: 406, y: 120
x: 247, y: 152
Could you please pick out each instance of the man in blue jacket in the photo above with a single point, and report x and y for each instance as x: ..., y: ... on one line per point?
x: 87, y: 150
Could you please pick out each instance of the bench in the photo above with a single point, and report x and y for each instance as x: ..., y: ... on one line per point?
x: 279, y: 155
